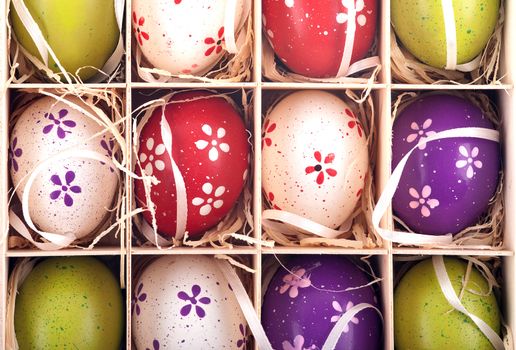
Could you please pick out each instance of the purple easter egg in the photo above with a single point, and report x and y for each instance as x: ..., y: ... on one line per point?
x: 300, y: 310
x: 446, y: 184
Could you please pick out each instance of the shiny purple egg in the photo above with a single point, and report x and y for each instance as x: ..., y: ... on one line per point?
x: 300, y: 309
x: 447, y: 184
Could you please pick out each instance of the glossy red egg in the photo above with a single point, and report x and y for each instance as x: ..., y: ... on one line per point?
x: 309, y: 35
x: 210, y: 149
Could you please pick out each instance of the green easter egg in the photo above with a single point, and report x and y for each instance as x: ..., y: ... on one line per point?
x: 80, y: 32
x: 419, y: 25
x: 423, y: 318
x: 69, y: 303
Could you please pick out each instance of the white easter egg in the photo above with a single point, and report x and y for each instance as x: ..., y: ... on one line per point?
x: 71, y: 195
x: 184, y: 302
x: 182, y: 37
x: 314, y: 157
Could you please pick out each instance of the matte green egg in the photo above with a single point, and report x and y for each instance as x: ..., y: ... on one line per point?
x: 419, y: 24
x: 423, y: 318
x: 81, y: 32
x: 69, y: 303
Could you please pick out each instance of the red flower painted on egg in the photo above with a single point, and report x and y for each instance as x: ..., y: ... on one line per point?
x: 271, y: 200
x: 177, y: 2
x: 354, y: 122
x: 215, y: 42
x: 267, y: 129
x: 319, y: 167
x: 140, y: 34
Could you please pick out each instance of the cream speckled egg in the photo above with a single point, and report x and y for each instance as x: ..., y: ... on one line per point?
x: 72, y: 195
x: 184, y: 302
x: 182, y: 37
x: 314, y: 157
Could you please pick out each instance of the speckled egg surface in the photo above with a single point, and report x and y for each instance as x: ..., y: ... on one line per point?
x: 314, y: 157
x: 447, y: 184
x: 300, y: 309
x: 309, y: 36
x: 420, y: 27
x: 423, y: 318
x: 69, y: 195
x: 185, y: 302
x: 69, y: 303
x: 180, y: 36
x: 210, y: 149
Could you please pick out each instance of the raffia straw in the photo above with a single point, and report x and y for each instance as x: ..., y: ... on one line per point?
x: 408, y: 69
x: 230, y: 68
x: 237, y: 225
x: 361, y: 233
x: 274, y: 70
x: 489, y: 267
x: 105, y: 107
x: 487, y: 233
x: 27, y: 68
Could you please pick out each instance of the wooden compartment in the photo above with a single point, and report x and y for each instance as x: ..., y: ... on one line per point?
x: 382, y: 92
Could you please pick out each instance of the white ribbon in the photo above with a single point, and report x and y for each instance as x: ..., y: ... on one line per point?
x: 451, y: 41
x: 338, y: 328
x: 451, y: 297
x: 262, y: 342
x: 229, y: 24
x: 390, y: 188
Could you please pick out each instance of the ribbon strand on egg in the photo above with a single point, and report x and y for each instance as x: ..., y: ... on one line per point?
x: 390, y: 188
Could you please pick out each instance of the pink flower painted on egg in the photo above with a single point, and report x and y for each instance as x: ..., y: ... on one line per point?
x: 215, y: 43
x: 424, y: 200
x: 319, y: 167
x: 294, y: 281
x: 140, y: 34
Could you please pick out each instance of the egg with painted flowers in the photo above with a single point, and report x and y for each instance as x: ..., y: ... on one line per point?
x: 310, y: 36
x: 420, y: 26
x: 211, y: 151
x: 66, y: 301
x: 447, y: 184
x: 183, y: 37
x: 305, y: 299
x: 185, y: 302
x: 314, y: 157
x: 73, y: 195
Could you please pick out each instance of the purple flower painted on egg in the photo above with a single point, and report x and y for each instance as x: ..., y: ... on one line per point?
x: 192, y: 300
x: 66, y: 188
x: 108, y: 146
x: 138, y: 297
x: 155, y: 345
x: 61, y: 123
x: 241, y: 342
x: 14, y: 152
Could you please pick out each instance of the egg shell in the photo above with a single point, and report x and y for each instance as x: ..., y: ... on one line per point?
x: 185, y: 302
x: 420, y: 27
x: 423, y: 318
x: 309, y: 35
x: 314, y: 157
x: 72, y: 195
x: 300, y: 310
x: 448, y: 184
x: 67, y: 301
x: 211, y: 150
x: 182, y: 37
x: 81, y: 33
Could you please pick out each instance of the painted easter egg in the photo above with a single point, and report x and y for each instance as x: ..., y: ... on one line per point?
x: 182, y: 37
x: 314, y: 157
x: 67, y: 301
x: 81, y: 33
x: 309, y: 36
x: 424, y: 319
x: 447, y: 184
x: 420, y: 26
x: 69, y: 196
x: 185, y: 302
x: 211, y: 150
x: 302, y: 306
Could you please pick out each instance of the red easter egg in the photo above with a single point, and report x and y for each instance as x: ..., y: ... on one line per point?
x: 210, y: 149
x: 309, y: 35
